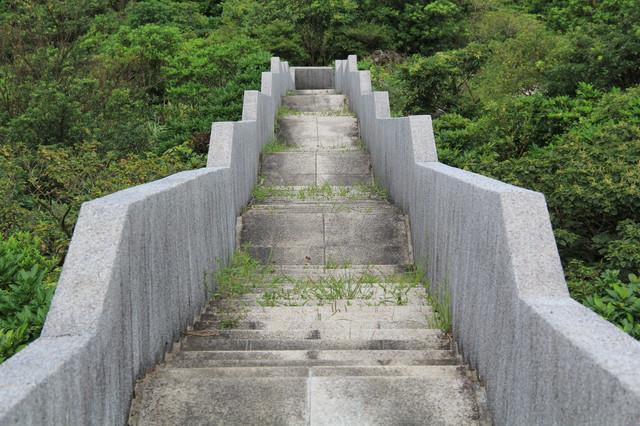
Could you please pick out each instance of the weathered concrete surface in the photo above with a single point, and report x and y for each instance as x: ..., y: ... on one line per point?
x: 313, y: 132
x: 314, y: 77
x: 310, y: 400
x: 313, y: 103
x: 317, y: 237
x: 545, y: 359
x: 317, y: 168
x: 303, y: 358
x: 133, y: 279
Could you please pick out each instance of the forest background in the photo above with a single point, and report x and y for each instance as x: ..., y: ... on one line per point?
x: 100, y: 95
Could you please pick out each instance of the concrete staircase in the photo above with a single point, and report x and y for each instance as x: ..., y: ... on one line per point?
x: 337, y: 331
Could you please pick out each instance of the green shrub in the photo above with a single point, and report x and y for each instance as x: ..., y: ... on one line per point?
x: 617, y: 302
x: 26, y: 289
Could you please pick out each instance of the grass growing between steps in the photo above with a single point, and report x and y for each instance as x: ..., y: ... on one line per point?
x: 344, y: 112
x: 284, y: 112
x: 275, y: 145
x: 242, y: 275
x: 246, y: 281
x: 263, y: 191
x: 369, y: 286
x: 442, y: 317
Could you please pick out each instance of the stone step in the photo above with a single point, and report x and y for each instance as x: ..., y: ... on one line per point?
x: 441, y: 395
x: 441, y: 371
x: 406, y: 334
x: 336, y: 285
x: 207, y: 343
x: 348, y: 206
x: 318, y: 103
x: 313, y: 92
x: 295, y: 297
x: 318, y: 238
x: 295, y: 302
x: 351, y: 270
x: 225, y: 317
x: 321, y: 254
x: 329, y: 313
x: 323, y: 326
x: 197, y: 359
x: 385, y: 228
x: 319, y: 133
x: 276, y: 298
x: 317, y: 168
x: 367, y: 213
x: 325, y: 147
x: 284, y: 194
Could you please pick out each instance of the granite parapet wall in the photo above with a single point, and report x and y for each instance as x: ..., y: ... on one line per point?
x: 134, y: 278
x: 545, y: 359
x: 313, y: 78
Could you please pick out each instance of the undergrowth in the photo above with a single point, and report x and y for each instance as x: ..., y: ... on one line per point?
x: 27, y: 285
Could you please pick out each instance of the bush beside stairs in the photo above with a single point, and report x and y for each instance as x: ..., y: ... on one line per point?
x: 322, y: 319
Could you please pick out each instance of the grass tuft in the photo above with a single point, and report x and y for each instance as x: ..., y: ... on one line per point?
x: 274, y: 146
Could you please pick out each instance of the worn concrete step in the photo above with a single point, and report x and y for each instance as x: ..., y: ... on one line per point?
x: 336, y: 285
x: 445, y: 371
x: 316, y: 102
x: 286, y: 297
x: 195, y: 359
x: 384, y: 228
x: 365, y: 213
x: 406, y: 334
x: 283, y: 298
x: 183, y: 397
x: 295, y: 302
x: 295, y: 194
x: 323, y: 206
x: 313, y: 92
x: 270, y: 324
x: 332, y: 286
x: 201, y: 343
x: 317, y: 168
x: 336, y: 146
x: 248, y: 315
x: 356, y: 207
x: 313, y: 271
x: 329, y: 313
x: 321, y: 254
x: 319, y: 133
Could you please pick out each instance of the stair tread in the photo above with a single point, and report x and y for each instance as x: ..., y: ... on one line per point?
x: 317, y: 334
x: 180, y: 359
x: 274, y: 324
x: 197, y: 343
x: 431, y: 371
x: 308, y: 400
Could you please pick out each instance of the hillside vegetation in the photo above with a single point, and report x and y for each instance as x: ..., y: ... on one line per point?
x: 100, y: 95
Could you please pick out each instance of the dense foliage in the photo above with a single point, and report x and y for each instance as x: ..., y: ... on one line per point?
x: 95, y: 97
x: 545, y: 95
x: 99, y: 95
